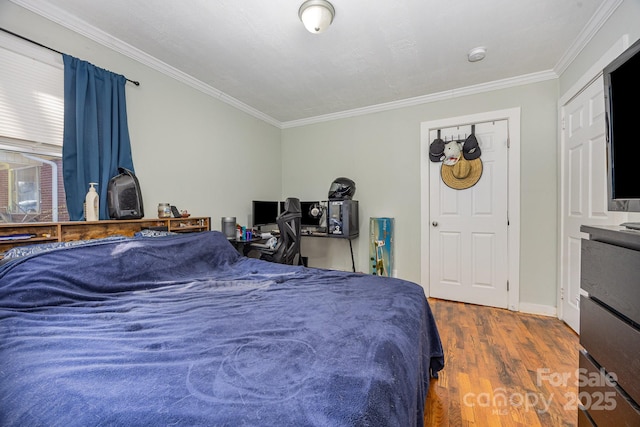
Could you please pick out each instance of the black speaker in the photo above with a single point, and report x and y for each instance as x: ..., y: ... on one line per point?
x: 124, y: 196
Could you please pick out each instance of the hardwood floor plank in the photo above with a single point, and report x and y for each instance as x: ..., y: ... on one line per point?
x: 502, y: 368
x: 463, y: 390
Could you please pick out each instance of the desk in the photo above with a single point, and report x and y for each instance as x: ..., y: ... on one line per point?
x: 334, y: 236
x: 241, y: 244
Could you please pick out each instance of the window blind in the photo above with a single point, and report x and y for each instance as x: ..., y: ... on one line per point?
x: 31, y: 93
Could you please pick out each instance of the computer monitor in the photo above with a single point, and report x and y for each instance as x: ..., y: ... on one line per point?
x: 264, y: 212
x: 308, y: 220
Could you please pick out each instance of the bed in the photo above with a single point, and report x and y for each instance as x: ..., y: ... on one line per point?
x: 182, y: 330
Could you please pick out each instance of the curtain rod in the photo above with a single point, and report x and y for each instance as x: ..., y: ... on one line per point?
x: 51, y: 49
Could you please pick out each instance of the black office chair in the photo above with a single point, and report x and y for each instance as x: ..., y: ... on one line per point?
x: 287, y: 250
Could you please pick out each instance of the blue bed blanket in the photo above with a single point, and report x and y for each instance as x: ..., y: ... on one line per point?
x: 182, y: 330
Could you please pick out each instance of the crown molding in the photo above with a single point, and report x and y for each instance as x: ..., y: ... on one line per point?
x: 596, y: 22
x: 434, y: 97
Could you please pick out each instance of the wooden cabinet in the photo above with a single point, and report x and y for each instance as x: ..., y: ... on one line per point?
x: 188, y: 225
x: 610, y: 327
x: 43, y: 232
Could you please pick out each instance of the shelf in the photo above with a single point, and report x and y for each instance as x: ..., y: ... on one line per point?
x: 83, y: 230
x: 32, y: 240
x: 188, y: 228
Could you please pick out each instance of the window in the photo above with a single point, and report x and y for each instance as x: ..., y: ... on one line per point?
x: 24, y: 187
x: 31, y: 188
x: 31, y: 127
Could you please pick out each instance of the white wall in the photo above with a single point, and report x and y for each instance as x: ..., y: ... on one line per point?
x: 203, y: 155
x: 381, y: 153
x: 189, y: 149
x: 623, y: 22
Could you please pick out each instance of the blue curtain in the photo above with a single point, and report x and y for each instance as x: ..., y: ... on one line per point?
x: 96, y: 134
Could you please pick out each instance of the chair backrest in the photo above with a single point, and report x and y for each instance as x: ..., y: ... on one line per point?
x: 289, y: 223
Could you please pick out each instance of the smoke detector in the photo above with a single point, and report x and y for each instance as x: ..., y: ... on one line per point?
x: 476, y: 54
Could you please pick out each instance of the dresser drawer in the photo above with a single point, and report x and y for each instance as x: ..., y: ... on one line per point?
x: 612, y: 275
x: 606, y: 405
x: 613, y: 343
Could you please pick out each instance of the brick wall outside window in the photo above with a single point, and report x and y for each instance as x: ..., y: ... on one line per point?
x: 46, y: 210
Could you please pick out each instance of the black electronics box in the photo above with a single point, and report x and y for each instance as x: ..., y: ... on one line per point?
x: 342, y: 218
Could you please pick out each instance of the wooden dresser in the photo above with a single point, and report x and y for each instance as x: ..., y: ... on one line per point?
x: 609, y: 381
x: 42, y: 232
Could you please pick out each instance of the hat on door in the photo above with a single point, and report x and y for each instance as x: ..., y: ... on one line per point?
x: 464, y: 174
x: 436, y: 150
x: 471, y: 148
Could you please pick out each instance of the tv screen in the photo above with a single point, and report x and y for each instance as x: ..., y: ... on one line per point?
x: 264, y: 212
x: 622, y: 92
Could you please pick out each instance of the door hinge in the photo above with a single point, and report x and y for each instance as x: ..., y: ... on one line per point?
x: 508, y: 142
x: 507, y: 286
x: 563, y: 123
x: 562, y: 293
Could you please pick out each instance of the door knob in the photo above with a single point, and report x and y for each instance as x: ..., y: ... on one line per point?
x: 434, y: 223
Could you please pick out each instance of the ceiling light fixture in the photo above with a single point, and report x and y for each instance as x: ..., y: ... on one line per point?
x: 316, y: 15
x: 476, y: 54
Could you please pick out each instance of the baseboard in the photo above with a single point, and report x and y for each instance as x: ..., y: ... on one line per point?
x: 543, y: 310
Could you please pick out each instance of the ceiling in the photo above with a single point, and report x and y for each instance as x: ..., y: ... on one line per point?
x: 257, y: 55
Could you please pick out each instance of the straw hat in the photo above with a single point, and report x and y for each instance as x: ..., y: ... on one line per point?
x: 464, y: 174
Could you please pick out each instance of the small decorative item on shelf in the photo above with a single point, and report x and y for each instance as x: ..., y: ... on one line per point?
x: 164, y: 210
x: 184, y: 213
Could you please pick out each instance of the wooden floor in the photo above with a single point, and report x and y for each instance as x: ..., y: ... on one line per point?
x: 503, y: 369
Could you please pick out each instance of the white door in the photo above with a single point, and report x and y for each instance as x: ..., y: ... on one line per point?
x: 468, y: 249
x: 583, y: 194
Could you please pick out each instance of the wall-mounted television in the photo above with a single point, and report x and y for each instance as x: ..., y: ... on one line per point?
x: 264, y: 212
x: 622, y: 94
